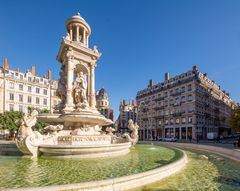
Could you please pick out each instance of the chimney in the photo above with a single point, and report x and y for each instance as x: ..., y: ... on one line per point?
x: 167, y: 76
x: 151, y: 84
x: 49, y: 75
x: 33, y: 70
x: 5, y: 64
x: 124, y: 102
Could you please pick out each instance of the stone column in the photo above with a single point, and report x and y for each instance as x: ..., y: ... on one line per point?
x: 92, y: 86
x: 71, y: 34
x: 70, y: 74
x: 87, y: 40
x: 186, y: 133
x: 84, y: 37
x: 77, y: 33
x: 180, y: 133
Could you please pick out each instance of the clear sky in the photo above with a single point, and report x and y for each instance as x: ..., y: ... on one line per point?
x: 139, y: 39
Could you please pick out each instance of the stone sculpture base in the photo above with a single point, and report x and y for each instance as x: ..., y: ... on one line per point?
x: 84, y: 152
x: 84, y: 140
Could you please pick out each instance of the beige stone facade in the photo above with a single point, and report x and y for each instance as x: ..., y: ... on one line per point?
x: 127, y: 111
x: 20, y: 91
x: 186, y: 106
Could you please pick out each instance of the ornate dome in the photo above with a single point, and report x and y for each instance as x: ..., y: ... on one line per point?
x: 77, y: 19
x: 102, y: 94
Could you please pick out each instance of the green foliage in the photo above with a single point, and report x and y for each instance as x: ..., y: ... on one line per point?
x: 40, y: 111
x: 235, y: 119
x: 39, y: 126
x: 8, y: 120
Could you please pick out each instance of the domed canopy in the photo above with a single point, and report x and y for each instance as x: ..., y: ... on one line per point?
x: 102, y: 94
x: 77, y: 19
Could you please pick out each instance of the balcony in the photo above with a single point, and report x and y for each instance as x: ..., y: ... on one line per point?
x: 158, y: 107
x: 158, y: 98
x: 176, y: 93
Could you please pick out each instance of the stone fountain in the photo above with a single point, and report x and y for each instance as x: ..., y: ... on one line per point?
x: 76, y: 131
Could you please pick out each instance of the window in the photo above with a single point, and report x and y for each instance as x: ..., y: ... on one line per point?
x: 166, y: 122
x: 189, y: 97
x: 189, y: 87
x: 37, y: 90
x: 171, y: 121
x: 29, y: 79
x: 45, y: 102
x: 177, y: 100
x: 166, y: 94
x: 11, y: 107
x: 37, y: 100
x: 184, y: 120
x: 11, y: 85
x: 45, y: 92
x: 183, y: 89
x: 21, y: 76
x: 177, y: 121
x: 29, y: 99
x: 29, y: 89
x: 20, y: 87
x: 190, y: 108
x: 20, y: 97
x: 189, y: 119
x: 183, y: 99
x: 11, y: 96
x: 20, y: 108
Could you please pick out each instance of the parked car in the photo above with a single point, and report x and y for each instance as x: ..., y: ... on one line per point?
x: 170, y: 139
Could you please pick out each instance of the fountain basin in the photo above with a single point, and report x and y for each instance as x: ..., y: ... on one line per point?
x: 143, y: 164
x: 86, y: 117
x: 84, y: 151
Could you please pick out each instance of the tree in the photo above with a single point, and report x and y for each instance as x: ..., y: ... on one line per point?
x: 9, y: 121
x: 235, y: 119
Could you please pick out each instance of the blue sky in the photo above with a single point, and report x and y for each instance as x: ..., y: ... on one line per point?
x: 139, y: 39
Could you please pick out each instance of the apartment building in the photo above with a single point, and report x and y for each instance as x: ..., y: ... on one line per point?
x: 127, y: 110
x: 20, y: 91
x: 189, y: 105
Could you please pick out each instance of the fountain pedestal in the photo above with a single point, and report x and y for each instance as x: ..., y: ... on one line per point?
x: 76, y: 132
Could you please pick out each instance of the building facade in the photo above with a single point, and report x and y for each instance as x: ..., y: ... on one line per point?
x: 127, y: 110
x: 20, y: 91
x: 103, y: 104
x: 186, y: 106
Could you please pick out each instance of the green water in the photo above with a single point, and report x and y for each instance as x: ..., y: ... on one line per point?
x: 201, y: 175
x: 18, y: 172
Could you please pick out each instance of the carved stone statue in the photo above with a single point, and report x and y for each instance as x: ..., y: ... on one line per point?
x: 79, y: 92
x: 67, y: 36
x: 133, y: 138
x: 110, y: 130
x: 27, y: 139
x: 61, y: 90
